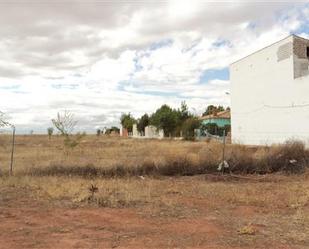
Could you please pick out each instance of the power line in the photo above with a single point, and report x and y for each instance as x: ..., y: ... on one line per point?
x: 272, y: 107
x: 287, y: 106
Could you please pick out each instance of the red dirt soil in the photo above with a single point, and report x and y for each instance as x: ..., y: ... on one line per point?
x: 30, y: 224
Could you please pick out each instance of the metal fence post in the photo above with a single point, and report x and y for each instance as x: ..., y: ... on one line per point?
x: 12, y: 153
x: 223, y: 153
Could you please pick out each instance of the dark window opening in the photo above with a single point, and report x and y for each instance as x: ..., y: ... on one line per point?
x: 308, y: 52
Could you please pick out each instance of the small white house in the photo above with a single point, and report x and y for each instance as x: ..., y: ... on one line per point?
x: 270, y: 94
x: 153, y: 132
x: 150, y: 132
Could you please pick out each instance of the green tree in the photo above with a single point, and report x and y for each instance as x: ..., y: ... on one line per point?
x: 184, y: 112
x: 189, y: 126
x: 50, y: 132
x: 165, y: 118
x: 183, y: 115
x: 142, y: 123
x: 127, y: 121
x: 99, y: 132
x: 112, y: 129
x: 212, y: 109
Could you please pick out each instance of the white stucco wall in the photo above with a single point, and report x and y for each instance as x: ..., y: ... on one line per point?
x: 267, y: 104
x: 152, y: 132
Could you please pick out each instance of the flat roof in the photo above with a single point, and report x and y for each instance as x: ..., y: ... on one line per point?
x: 292, y: 35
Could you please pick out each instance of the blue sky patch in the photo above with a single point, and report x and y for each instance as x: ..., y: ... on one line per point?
x: 303, y: 29
x: 13, y: 87
x: 65, y: 86
x: 215, y: 74
x: 160, y: 44
x: 222, y: 43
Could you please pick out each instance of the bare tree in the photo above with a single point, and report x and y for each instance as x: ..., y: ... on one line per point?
x: 65, y: 123
x: 3, y: 122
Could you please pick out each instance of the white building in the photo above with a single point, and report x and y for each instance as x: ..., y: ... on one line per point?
x: 152, y: 132
x: 270, y: 94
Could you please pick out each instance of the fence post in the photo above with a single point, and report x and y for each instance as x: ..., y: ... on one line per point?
x: 223, y: 152
x: 12, y: 153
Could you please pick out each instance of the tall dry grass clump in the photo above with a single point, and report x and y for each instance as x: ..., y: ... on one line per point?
x: 117, y: 157
x: 291, y: 157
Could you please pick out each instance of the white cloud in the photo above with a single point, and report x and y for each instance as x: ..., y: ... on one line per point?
x: 101, y: 59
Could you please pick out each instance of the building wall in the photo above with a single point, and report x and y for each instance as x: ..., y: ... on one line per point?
x: 268, y: 103
x: 152, y: 132
x: 135, y: 131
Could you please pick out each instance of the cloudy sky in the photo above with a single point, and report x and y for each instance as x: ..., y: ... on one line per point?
x: 100, y: 58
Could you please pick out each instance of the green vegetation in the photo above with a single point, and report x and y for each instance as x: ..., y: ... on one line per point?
x: 178, y: 122
x: 165, y: 118
x: 127, y: 121
x: 142, y: 123
x: 50, y: 132
x: 212, y: 109
x: 111, y: 130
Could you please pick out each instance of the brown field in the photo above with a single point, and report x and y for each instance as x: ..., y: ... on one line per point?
x: 151, y: 194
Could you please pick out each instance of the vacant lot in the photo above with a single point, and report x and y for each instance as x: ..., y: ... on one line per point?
x: 44, y: 206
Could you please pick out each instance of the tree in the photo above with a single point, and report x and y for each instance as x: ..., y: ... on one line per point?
x: 99, y: 132
x: 112, y: 129
x: 50, y: 132
x: 165, y: 118
x: 3, y: 121
x: 183, y: 115
x: 142, y: 123
x: 65, y: 124
x: 184, y: 112
x: 211, y: 109
x: 189, y: 126
x: 127, y: 121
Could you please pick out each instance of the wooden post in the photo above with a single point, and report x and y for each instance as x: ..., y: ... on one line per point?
x: 12, y: 153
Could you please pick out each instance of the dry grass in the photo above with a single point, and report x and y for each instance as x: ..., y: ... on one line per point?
x: 247, y: 210
x: 110, y: 157
x: 276, y: 209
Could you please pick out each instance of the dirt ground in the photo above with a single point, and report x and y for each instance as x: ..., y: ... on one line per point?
x: 159, y: 211
x: 31, y: 222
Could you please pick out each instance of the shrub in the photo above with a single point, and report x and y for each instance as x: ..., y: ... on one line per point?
x: 291, y: 157
x: 188, y: 128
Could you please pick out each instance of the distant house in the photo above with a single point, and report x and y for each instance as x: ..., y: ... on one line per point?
x: 221, y: 119
x: 124, y: 132
x: 150, y: 132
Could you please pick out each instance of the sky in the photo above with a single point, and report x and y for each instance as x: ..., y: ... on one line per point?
x: 101, y: 58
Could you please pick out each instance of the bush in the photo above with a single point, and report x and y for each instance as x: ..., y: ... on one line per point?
x: 188, y: 128
x: 291, y: 157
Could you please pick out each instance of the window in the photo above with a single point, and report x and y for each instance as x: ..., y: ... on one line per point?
x: 308, y: 52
